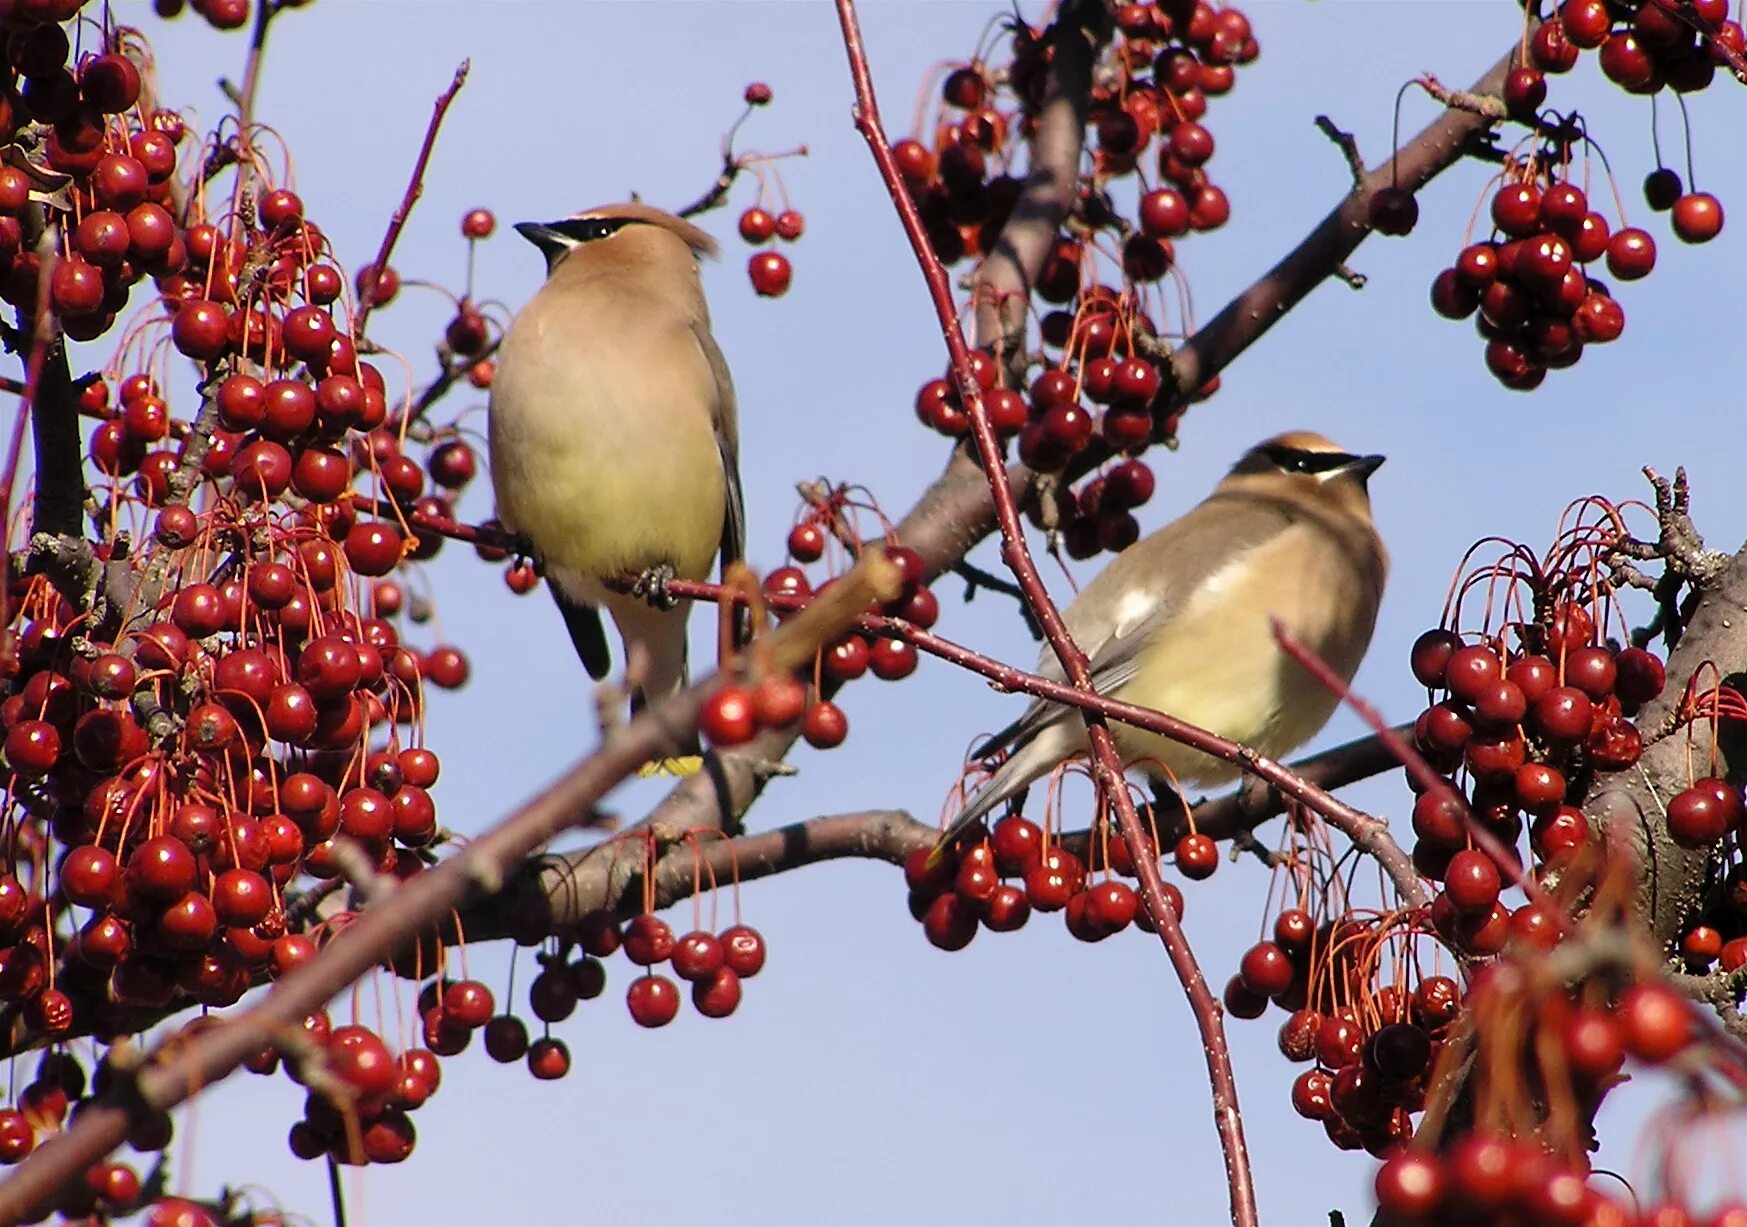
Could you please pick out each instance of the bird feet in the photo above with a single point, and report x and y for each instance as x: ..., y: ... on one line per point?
x: 652, y: 584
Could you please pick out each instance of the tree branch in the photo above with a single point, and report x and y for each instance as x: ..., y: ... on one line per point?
x: 1634, y: 802
x: 1003, y: 282
x: 1243, y: 321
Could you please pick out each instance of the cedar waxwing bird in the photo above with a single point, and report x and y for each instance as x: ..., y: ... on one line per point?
x: 614, y: 444
x: 1180, y: 621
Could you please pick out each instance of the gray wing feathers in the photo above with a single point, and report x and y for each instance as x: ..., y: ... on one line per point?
x: 1143, y: 602
x: 727, y: 423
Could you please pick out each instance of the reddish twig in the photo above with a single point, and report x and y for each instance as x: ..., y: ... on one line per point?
x: 1108, y: 770
x: 414, y: 189
x: 1423, y: 773
x: 1371, y: 835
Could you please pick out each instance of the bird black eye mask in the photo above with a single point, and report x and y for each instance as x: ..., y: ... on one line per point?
x: 1297, y: 460
x: 588, y: 229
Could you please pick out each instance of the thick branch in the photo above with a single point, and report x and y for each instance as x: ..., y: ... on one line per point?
x: 555, y: 892
x: 550, y: 893
x: 1004, y: 279
x: 1247, y: 317
x: 53, y: 406
x: 1633, y: 803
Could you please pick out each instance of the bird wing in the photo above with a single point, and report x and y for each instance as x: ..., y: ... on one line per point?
x: 727, y: 426
x: 1147, y: 602
x: 587, y: 635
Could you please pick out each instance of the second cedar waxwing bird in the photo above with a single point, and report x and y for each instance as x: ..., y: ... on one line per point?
x: 1180, y: 621
x: 614, y: 443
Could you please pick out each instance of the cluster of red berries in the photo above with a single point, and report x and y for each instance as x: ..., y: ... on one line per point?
x: 149, y: 762
x: 1524, y: 1161
x: 713, y: 964
x: 1529, y: 288
x: 768, y: 270
x: 43, y: 1106
x: 1099, y: 515
x: 1191, y: 49
x: 735, y: 713
x: 179, y: 753
x: 361, y: 1092
x: 996, y: 879
x: 1106, y: 387
x: 1060, y: 419
x: 1526, y: 725
x: 121, y: 160
x: 1644, y: 45
x: 1372, y: 1048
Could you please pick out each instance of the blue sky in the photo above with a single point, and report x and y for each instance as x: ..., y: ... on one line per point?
x: 869, y: 1078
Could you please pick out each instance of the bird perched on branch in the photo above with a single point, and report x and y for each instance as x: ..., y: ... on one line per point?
x: 614, y: 444
x: 1180, y: 621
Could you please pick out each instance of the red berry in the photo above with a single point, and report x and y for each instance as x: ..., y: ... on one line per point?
x: 1698, y: 217
x: 1654, y: 1021
x: 1471, y: 882
x: 549, y: 1057
x: 770, y: 273
x: 743, y: 949
x: 727, y: 717
x: 824, y: 725
x: 648, y: 940
x: 1393, y: 211
x: 478, y: 224
x: 1197, y: 857
x: 1631, y: 254
x: 1265, y: 969
x: 653, y: 1001
x: 469, y: 1003
x: 717, y: 995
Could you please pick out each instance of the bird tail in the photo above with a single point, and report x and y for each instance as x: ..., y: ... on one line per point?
x: 657, y: 637
x: 1031, y: 758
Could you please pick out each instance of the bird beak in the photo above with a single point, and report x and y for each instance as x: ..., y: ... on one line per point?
x: 548, y: 240
x: 1363, y: 466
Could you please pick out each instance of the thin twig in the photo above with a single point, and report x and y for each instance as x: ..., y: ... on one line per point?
x: 1348, y: 146
x: 414, y: 189
x: 975, y: 577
